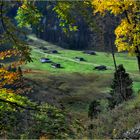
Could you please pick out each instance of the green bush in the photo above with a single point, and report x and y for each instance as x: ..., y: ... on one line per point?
x: 94, y: 109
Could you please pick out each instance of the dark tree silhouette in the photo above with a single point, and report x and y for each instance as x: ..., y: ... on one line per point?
x: 121, y: 88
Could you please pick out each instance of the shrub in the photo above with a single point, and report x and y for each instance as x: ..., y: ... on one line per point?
x: 51, y: 122
x: 115, y: 122
x: 93, y: 109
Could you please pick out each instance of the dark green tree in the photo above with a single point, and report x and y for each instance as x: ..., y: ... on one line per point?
x: 121, y: 88
x: 94, y: 109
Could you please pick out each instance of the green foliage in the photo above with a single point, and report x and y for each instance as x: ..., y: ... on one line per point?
x: 28, y: 15
x: 69, y: 13
x: 67, y: 21
x: 11, y: 36
x: 17, y: 99
x: 11, y: 107
x: 53, y: 123
x: 104, y: 105
x: 45, y: 119
x: 121, y: 88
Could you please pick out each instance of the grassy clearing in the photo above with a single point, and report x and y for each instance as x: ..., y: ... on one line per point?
x: 81, y: 84
x: 104, y: 59
x: 66, y: 58
x: 70, y: 65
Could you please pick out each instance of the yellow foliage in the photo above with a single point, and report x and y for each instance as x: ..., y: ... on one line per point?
x: 24, y: 6
x: 128, y: 32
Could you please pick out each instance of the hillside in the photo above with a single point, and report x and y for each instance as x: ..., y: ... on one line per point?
x: 74, y: 86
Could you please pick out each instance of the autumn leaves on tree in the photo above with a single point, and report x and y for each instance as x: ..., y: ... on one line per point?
x: 128, y: 32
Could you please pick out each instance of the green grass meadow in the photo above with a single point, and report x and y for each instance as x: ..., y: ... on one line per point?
x: 69, y: 65
x: 67, y: 59
x: 76, y: 84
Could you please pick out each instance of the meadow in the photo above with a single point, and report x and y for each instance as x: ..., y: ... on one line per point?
x: 69, y: 65
x: 76, y: 84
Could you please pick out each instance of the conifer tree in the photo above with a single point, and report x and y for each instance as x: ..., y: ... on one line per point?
x: 121, y: 88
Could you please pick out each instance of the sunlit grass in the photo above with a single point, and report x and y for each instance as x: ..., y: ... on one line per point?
x: 69, y: 65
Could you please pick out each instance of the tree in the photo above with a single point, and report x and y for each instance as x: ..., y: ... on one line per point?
x: 128, y: 32
x: 16, y: 47
x: 121, y: 88
x: 13, y: 46
x: 93, y: 109
x: 13, y: 105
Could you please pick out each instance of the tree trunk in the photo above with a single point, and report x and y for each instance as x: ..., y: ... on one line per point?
x: 114, y: 60
x: 138, y: 59
x: 138, y: 56
x: 113, y: 55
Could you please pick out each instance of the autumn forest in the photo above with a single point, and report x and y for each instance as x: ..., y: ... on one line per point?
x: 69, y: 69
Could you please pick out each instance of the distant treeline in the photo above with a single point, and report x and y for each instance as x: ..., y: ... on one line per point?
x: 99, y: 37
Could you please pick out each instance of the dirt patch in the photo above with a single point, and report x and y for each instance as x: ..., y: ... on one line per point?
x: 29, y: 71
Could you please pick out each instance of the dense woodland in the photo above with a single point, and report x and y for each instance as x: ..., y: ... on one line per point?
x: 69, y: 69
x: 88, y: 36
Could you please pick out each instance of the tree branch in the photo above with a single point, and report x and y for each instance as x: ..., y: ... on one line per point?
x: 17, y: 105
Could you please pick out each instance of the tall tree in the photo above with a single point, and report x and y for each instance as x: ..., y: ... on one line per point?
x: 128, y: 32
x: 13, y: 105
x: 13, y: 48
